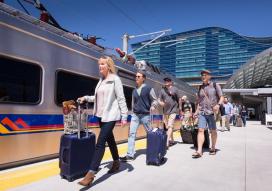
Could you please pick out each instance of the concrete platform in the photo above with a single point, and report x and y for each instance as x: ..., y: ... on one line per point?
x: 243, y: 162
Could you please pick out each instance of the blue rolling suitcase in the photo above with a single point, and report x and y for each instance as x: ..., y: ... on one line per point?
x: 156, y: 147
x: 76, y: 155
x: 76, y: 151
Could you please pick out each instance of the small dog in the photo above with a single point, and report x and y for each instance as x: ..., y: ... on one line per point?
x: 67, y: 106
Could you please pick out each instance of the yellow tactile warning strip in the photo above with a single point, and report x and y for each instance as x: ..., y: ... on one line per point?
x: 32, y: 173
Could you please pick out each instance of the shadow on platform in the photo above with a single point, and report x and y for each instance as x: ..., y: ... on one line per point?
x: 140, y: 152
x: 124, y: 166
x: 270, y: 127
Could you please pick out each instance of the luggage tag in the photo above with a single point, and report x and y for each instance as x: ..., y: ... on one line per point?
x: 155, y: 129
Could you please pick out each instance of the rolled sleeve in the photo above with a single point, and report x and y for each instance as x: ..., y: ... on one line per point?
x: 154, y: 98
x: 89, y: 98
x: 219, y: 90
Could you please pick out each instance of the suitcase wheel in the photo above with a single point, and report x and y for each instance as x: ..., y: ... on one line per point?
x: 70, y: 179
x: 153, y: 163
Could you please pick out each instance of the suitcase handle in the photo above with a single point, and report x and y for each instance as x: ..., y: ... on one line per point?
x: 152, y: 120
x: 79, y: 120
x: 63, y: 149
x: 151, y: 116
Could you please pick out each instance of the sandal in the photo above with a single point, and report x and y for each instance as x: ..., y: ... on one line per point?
x: 212, y: 151
x: 196, y: 155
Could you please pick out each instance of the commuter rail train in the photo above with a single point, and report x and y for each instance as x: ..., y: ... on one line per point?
x: 41, y: 66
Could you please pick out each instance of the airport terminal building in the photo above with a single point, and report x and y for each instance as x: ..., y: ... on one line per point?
x: 216, y: 49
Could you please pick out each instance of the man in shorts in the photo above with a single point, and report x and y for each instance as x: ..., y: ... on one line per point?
x: 209, y: 100
x: 169, y: 99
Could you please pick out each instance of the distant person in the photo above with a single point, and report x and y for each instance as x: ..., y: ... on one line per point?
x: 251, y: 115
x: 126, y: 58
x: 209, y: 100
x: 244, y: 114
x: 169, y: 99
x: 144, y: 101
x: 232, y: 112
x: 109, y: 107
x: 236, y: 113
x: 228, y: 113
x: 140, y: 65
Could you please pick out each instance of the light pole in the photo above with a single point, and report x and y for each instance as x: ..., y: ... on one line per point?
x: 126, y: 37
x: 125, y: 43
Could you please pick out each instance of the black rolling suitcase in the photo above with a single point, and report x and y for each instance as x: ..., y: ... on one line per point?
x: 187, y: 134
x: 156, y: 146
x: 76, y: 152
x: 206, y: 143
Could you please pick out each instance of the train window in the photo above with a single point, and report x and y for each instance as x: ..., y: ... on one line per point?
x: 20, y: 82
x: 70, y: 86
x: 128, y: 96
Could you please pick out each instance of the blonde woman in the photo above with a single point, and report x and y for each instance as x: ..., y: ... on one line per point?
x: 109, y: 107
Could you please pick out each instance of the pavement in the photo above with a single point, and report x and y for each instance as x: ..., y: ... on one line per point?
x: 242, y: 163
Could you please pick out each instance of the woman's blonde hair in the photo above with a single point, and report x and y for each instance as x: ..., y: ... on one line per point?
x: 110, y: 63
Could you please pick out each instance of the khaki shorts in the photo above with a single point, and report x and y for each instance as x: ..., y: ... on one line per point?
x: 169, y: 120
x: 225, y: 121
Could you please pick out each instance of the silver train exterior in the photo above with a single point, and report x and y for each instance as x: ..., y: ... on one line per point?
x: 40, y: 67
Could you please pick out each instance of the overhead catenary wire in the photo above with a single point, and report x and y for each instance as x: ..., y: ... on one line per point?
x: 20, y: 3
x: 126, y: 15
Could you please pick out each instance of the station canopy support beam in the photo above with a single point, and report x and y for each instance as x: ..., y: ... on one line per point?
x: 267, y: 92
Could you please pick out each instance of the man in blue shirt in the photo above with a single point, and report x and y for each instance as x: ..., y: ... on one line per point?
x: 228, y: 113
x: 144, y: 100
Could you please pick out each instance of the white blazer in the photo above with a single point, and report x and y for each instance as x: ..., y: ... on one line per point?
x: 115, y: 107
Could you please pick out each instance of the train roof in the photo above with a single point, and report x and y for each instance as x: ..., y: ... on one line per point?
x: 153, y: 72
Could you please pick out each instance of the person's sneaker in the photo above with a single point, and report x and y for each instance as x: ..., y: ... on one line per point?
x: 126, y: 158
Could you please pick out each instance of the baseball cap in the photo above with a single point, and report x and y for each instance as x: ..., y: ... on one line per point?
x: 205, y: 72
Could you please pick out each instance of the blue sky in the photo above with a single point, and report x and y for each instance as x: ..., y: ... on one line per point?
x: 110, y: 19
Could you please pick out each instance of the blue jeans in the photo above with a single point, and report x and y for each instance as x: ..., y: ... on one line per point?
x: 244, y: 120
x: 136, y: 120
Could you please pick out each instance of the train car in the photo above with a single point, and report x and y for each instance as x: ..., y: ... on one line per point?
x: 41, y: 66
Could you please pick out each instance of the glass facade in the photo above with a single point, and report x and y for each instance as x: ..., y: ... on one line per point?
x: 217, y: 49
